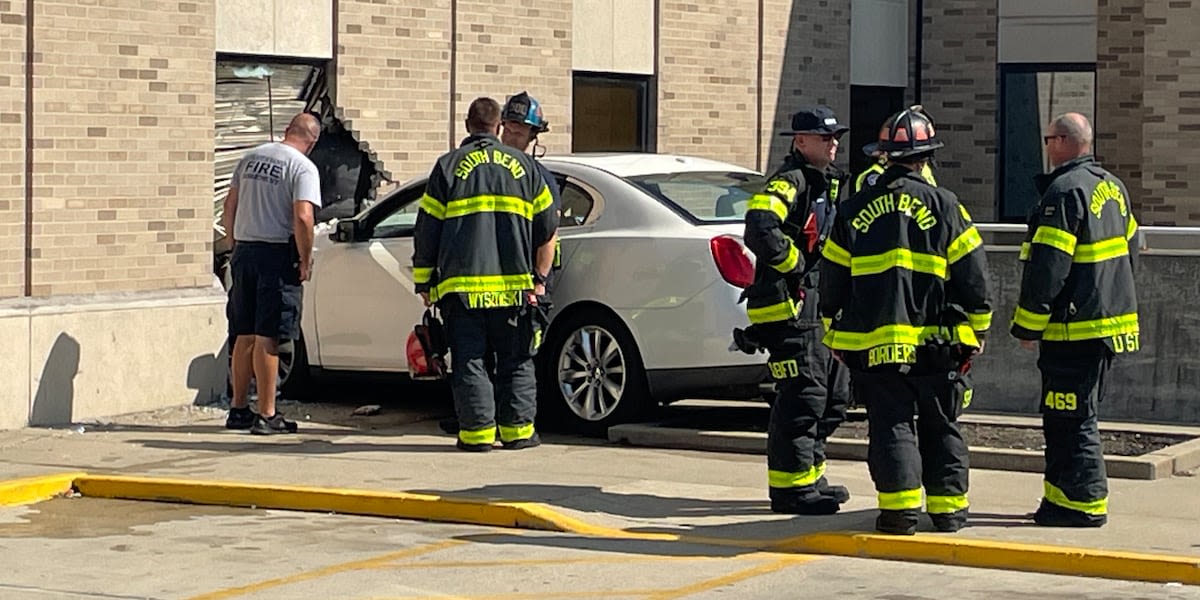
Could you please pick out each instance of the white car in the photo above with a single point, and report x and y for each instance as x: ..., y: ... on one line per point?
x: 653, y: 267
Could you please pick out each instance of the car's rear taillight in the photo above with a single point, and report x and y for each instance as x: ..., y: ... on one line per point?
x: 732, y: 261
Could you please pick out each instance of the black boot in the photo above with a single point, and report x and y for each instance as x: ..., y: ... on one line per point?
x: 898, y: 522
x: 802, y: 501
x: 449, y: 425
x: 837, y: 492
x: 949, y: 522
x: 1053, y: 515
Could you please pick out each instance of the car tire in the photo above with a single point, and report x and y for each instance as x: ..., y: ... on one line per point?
x: 590, y: 375
x: 295, y: 378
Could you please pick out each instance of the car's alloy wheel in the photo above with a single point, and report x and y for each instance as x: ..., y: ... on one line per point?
x: 592, y: 373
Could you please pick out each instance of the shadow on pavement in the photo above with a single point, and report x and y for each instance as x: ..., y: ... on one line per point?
x: 588, y: 498
x: 289, y: 445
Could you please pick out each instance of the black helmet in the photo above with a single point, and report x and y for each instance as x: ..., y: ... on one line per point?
x: 907, y: 133
x: 524, y: 108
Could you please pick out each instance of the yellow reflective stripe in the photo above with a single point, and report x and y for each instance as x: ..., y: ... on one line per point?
x: 433, y: 206
x: 776, y: 312
x: 980, y: 321
x: 543, y: 201
x: 1131, y: 227
x: 900, y: 258
x: 964, y: 244
x: 482, y: 283
x: 1055, y: 238
x: 940, y: 505
x: 477, y: 436
x: 422, y: 274
x: 835, y: 253
x: 510, y: 433
x: 1054, y: 495
x: 897, y: 334
x: 784, y: 479
x: 906, y: 500
x: 1031, y: 320
x: 768, y: 203
x: 1102, y: 250
x: 1026, y: 249
x: 927, y: 175
x: 789, y: 263
x: 1094, y: 329
x: 820, y: 470
x: 489, y: 203
x: 827, y: 323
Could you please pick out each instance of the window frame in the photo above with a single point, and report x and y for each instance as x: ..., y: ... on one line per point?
x: 647, y: 125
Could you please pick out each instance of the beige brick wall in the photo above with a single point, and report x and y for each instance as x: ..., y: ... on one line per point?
x: 959, y: 91
x: 1120, y: 112
x: 1171, y: 163
x: 707, y: 94
x: 393, y: 79
x: 506, y: 47
x: 12, y: 148
x: 123, y: 131
x: 806, y: 61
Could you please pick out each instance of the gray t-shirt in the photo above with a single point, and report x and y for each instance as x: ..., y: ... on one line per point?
x: 268, y: 180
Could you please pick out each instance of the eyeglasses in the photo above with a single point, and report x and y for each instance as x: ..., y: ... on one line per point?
x: 1046, y: 138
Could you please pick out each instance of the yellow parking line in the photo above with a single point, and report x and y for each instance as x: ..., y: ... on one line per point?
x: 368, y: 563
x: 530, y: 596
x: 546, y: 561
x: 735, y: 577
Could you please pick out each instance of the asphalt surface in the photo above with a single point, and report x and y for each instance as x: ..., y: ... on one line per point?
x: 94, y: 548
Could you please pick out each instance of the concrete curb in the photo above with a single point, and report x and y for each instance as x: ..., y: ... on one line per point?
x: 955, y: 551
x: 28, y: 490
x: 1155, y: 465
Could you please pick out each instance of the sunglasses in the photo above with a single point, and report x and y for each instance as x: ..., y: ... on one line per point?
x: 1046, y: 138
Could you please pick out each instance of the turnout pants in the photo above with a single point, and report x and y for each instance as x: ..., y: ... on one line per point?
x: 1073, y: 377
x: 811, y: 393
x: 511, y: 402
x: 905, y: 454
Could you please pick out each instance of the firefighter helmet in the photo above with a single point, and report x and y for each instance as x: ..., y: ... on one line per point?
x: 907, y: 133
x: 426, y: 349
x: 524, y: 108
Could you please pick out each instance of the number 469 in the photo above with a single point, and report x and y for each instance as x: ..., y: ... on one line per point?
x: 1061, y: 401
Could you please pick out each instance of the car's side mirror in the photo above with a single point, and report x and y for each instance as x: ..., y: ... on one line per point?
x: 345, y: 231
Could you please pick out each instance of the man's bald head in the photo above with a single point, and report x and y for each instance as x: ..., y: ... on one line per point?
x: 1068, y: 136
x: 302, y: 132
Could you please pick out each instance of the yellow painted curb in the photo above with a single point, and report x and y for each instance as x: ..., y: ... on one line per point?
x: 1012, y: 556
x: 938, y: 549
x: 35, y: 489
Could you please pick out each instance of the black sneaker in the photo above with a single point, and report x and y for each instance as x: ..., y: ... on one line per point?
x: 1053, y: 515
x: 837, y: 492
x: 530, y: 442
x: 949, y: 522
x: 812, y: 503
x: 465, y: 447
x: 240, y: 418
x: 274, y: 425
x: 897, y: 522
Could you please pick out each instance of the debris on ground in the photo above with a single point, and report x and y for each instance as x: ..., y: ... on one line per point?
x: 368, y: 410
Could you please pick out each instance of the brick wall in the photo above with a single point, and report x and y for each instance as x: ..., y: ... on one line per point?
x: 1120, y: 113
x: 1171, y: 163
x: 12, y: 147
x: 393, y: 79
x: 806, y: 61
x: 708, y: 79
x: 123, y: 133
x: 959, y: 91
x: 507, y: 47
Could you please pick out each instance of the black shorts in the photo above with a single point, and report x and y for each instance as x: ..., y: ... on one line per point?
x: 265, y: 296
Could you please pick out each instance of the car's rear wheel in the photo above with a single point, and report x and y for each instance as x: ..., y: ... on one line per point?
x: 592, y: 375
x: 293, y: 379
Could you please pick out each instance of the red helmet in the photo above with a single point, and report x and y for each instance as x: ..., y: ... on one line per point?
x: 907, y: 133
x: 426, y: 349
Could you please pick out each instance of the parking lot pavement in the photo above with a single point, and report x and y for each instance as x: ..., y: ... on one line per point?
x: 95, y: 548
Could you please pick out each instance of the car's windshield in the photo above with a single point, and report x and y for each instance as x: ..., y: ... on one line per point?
x: 707, y: 196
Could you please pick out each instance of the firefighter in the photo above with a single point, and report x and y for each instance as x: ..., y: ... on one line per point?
x: 784, y: 225
x: 1078, y: 299
x: 482, y: 249
x: 904, y: 294
x: 523, y: 121
x: 871, y: 173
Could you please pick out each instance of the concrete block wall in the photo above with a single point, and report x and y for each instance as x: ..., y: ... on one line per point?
x: 12, y: 147
x: 1120, y: 108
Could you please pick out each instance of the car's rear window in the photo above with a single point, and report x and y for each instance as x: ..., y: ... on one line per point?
x: 705, y: 196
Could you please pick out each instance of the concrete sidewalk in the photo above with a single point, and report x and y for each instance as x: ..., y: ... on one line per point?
x: 609, y: 487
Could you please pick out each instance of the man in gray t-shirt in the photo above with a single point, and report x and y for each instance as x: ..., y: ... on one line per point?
x: 269, y: 210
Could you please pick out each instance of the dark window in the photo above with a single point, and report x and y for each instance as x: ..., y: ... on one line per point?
x: 870, y: 106
x: 577, y: 204
x: 1030, y: 96
x: 611, y: 113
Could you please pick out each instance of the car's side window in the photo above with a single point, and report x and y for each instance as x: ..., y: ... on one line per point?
x: 577, y: 204
x: 397, y: 216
